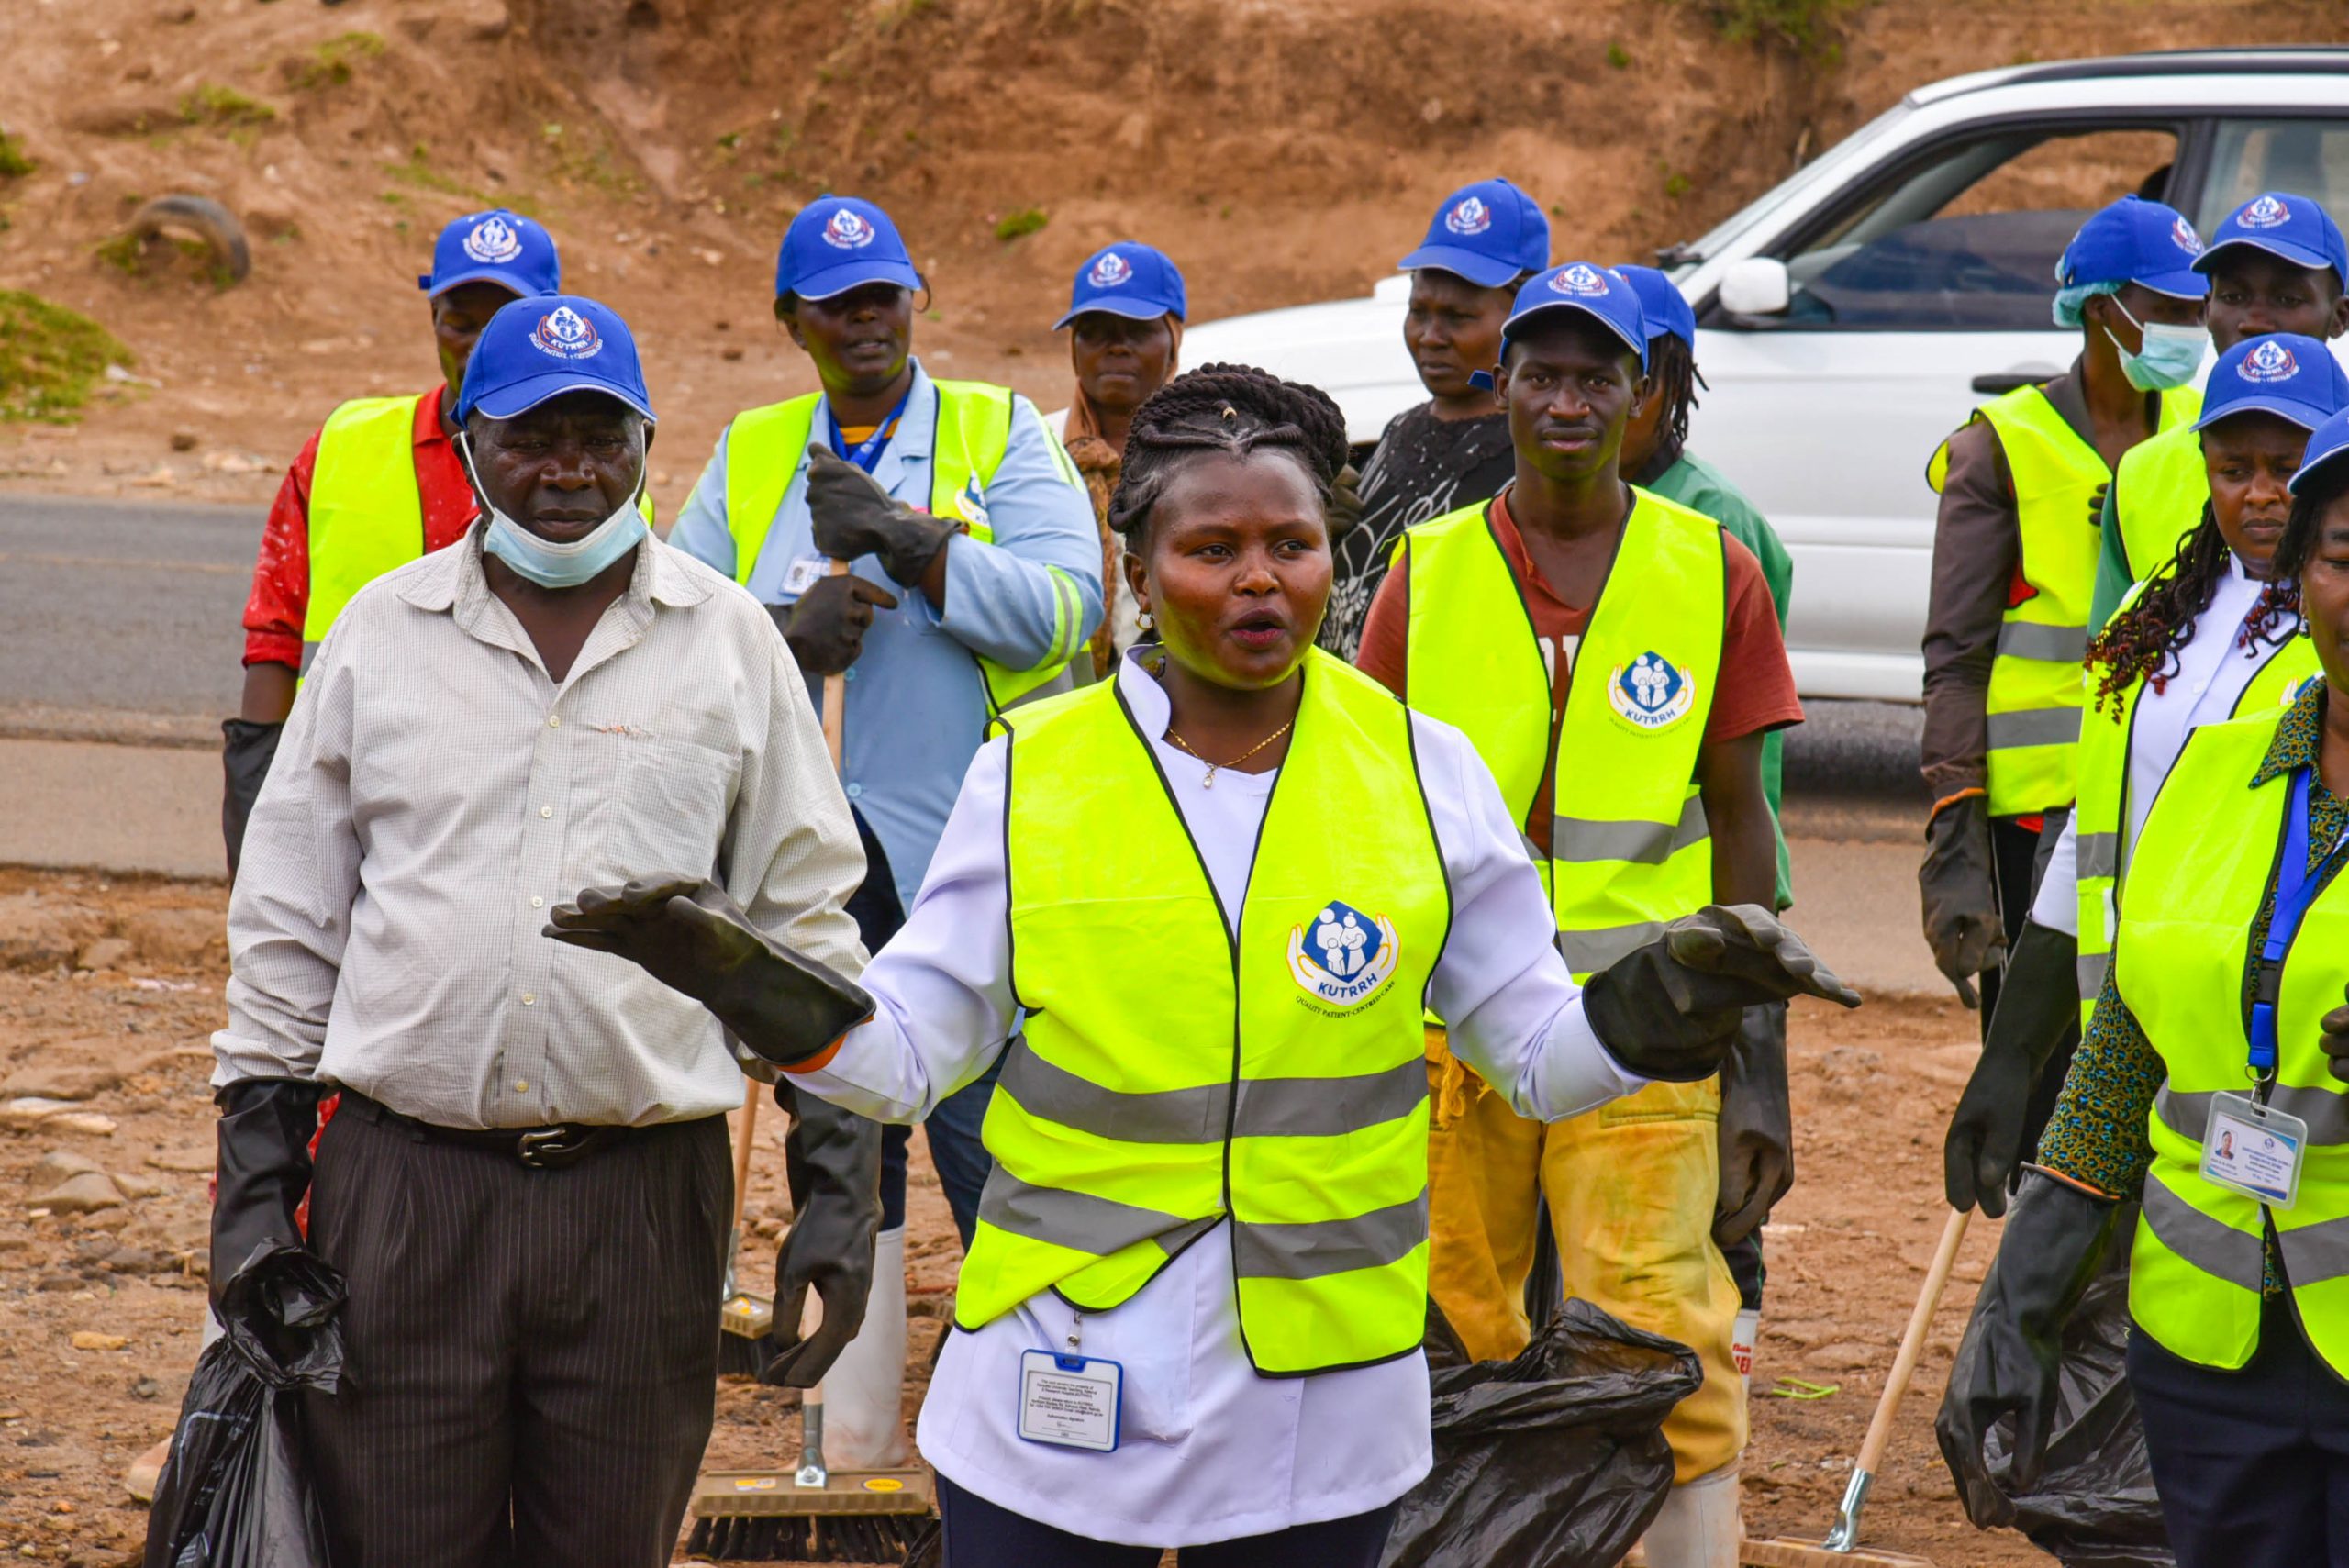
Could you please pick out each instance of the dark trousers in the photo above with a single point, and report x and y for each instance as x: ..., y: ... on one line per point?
x: 952, y: 1128
x: 2252, y: 1466
x: 530, y: 1354
x: 981, y: 1535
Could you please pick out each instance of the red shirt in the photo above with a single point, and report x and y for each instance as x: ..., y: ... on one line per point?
x: 281, y: 593
x: 1755, y: 690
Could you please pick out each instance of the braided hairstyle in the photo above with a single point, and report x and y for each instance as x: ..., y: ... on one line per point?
x: 1672, y: 365
x: 1231, y: 409
x: 2145, y: 637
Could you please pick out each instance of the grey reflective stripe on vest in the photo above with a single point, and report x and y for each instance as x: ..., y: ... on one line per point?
x: 2217, y: 1250
x: 1079, y: 1220
x: 2092, y: 967
x: 1269, y: 1107
x: 1589, y: 952
x: 2035, y: 726
x: 2046, y: 644
x: 2326, y: 1110
x: 1582, y: 841
x: 2099, y: 854
x: 2315, y: 1254
x: 1371, y: 1241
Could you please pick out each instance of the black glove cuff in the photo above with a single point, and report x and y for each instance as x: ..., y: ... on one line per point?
x: 1619, y: 1035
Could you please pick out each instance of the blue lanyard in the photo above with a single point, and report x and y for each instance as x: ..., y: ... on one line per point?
x: 2295, y: 888
x: 867, y: 455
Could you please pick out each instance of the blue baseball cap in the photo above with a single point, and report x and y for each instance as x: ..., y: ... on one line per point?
x: 1490, y: 233
x: 2135, y: 241
x: 494, y: 246
x: 2285, y: 375
x: 837, y: 243
x: 536, y: 349
x: 2281, y: 223
x: 1662, y: 304
x: 2328, y: 448
x: 1127, y: 279
x: 1601, y: 292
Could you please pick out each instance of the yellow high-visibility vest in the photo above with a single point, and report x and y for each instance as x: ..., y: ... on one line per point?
x: 1628, y: 846
x: 766, y: 447
x: 1171, y: 1075
x: 2159, y: 491
x: 2195, y: 1269
x: 366, y: 512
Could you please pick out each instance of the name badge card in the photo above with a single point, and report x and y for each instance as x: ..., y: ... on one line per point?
x: 804, y: 574
x: 1070, y: 1401
x: 2253, y: 1149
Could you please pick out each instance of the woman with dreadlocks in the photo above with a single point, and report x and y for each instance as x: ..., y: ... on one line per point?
x: 1195, y: 910
x: 2205, y: 638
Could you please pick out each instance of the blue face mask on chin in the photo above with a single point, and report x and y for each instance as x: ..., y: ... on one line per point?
x: 548, y: 563
x: 2168, y: 356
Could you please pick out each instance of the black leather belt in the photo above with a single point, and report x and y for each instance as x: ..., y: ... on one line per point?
x: 539, y: 1148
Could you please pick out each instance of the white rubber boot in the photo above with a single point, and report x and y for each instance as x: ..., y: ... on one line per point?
x: 1741, y: 1344
x: 864, y: 1426
x: 1697, y: 1527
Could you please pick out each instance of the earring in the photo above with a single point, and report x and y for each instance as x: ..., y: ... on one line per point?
x: 1144, y: 621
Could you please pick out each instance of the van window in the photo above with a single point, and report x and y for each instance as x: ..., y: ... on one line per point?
x: 1967, y: 239
x: 2305, y: 158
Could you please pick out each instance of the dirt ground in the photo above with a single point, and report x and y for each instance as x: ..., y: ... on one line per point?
x: 109, y: 991
x: 1282, y: 152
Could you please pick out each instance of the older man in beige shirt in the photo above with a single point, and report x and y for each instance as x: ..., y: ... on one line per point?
x: 527, y: 1185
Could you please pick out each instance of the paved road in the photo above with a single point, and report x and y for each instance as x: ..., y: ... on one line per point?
x: 121, y: 621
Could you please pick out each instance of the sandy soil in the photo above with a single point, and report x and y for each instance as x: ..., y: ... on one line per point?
x: 124, y: 1042
x: 1283, y: 153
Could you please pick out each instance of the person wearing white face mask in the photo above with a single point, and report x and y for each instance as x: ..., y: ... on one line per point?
x: 2014, y: 567
x: 525, y: 1189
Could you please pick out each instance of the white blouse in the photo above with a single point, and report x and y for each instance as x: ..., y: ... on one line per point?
x: 1210, y: 1451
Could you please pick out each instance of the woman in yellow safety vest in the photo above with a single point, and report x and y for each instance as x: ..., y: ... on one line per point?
x: 2211, y: 1090
x: 1196, y: 911
x: 2199, y: 641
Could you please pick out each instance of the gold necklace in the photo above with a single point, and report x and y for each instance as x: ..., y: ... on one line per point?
x: 1213, y: 768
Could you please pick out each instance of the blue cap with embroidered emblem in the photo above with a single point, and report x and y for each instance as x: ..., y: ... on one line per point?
x: 2135, y: 241
x: 537, y: 349
x: 2327, y: 451
x: 2285, y: 375
x: 837, y: 243
x: 1490, y: 233
x: 1660, y: 301
x: 1601, y: 292
x: 1127, y: 279
x: 493, y: 247
x: 2283, y: 225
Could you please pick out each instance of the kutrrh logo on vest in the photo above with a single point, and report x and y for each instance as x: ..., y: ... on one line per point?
x: 1342, y: 957
x: 1651, y: 692
x: 970, y: 504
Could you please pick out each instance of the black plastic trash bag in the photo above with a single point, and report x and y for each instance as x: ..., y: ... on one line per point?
x: 234, y: 1493
x: 1557, y: 1457
x: 2093, y: 1506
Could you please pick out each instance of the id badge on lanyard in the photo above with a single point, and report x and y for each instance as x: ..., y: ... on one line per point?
x: 2250, y: 1147
x: 1069, y: 1399
x: 866, y: 453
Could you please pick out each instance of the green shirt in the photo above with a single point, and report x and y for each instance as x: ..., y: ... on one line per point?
x: 2112, y: 579
x: 1700, y: 486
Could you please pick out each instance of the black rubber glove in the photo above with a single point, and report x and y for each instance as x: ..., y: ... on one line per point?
x: 783, y: 1006
x: 2039, y: 999
x: 2054, y: 1239
x: 1962, y: 923
x: 1757, y: 1127
x: 246, y: 750
x: 1670, y: 1009
x: 2335, y: 1040
x: 1345, y: 502
x: 832, y: 1158
x: 826, y: 625
x: 264, y: 1169
x: 853, y: 517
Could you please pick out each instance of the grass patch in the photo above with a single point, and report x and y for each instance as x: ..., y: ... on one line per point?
x: 417, y: 170
x: 49, y: 358
x: 14, y: 162
x: 1617, y: 58
x: 1804, y: 25
x: 213, y: 103
x: 128, y: 255
x: 1024, y: 222
x: 332, y: 63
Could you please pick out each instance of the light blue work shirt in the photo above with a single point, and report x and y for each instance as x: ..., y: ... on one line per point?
x: 916, y: 708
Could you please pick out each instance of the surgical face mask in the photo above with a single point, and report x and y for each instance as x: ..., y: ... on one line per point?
x: 545, y: 562
x: 2169, y: 357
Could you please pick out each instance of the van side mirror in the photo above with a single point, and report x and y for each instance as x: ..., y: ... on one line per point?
x: 1759, y: 286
